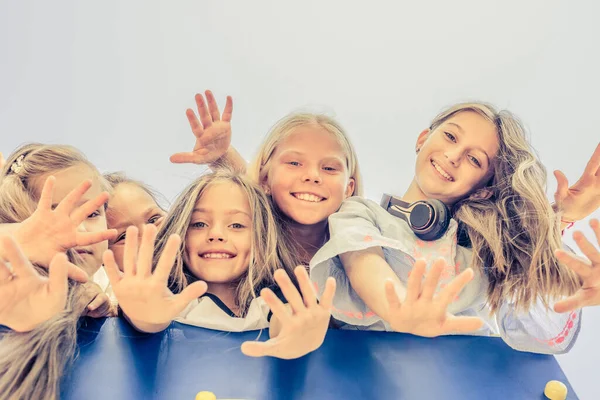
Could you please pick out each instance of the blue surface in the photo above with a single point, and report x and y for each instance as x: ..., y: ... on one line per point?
x: 116, y: 362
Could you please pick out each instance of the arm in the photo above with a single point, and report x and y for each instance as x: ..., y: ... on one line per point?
x: 231, y: 160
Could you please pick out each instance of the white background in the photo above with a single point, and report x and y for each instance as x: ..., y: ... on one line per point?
x: 114, y: 79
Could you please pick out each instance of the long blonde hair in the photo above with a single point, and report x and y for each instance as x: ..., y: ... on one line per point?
x: 259, y: 167
x: 270, y: 249
x: 511, y: 226
x: 32, y: 363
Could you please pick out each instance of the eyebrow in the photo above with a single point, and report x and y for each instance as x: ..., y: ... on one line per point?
x: 461, y: 130
x: 228, y: 212
x: 299, y: 153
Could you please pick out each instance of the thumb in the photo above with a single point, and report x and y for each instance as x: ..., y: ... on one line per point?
x: 562, y: 187
x: 190, y: 293
x: 257, y: 349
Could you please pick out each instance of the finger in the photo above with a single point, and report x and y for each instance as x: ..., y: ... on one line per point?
x: 88, y: 238
x: 205, y: 118
x: 146, y: 251
x: 593, y: 166
x: 167, y: 258
x: 228, y: 111
x: 289, y: 291
x: 277, y: 307
x: 587, y: 248
x: 83, y: 212
x: 185, y: 158
x: 189, y: 294
x: 449, y: 293
x: 213, y: 108
x: 413, y: 286
x: 595, y: 225
x: 462, y: 324
x: 2, y: 160
x: 580, y: 266
x: 130, y: 251
x: 19, y: 263
x: 570, y: 303
x: 45, y: 202
x: 327, y: 297
x: 391, y: 295
x: 98, y: 301
x: 306, y: 288
x: 57, y: 276
x: 562, y: 187
x: 259, y: 349
x: 195, y: 124
x: 111, y: 268
x: 68, y: 204
x: 5, y: 273
x: 432, y: 279
x: 76, y: 273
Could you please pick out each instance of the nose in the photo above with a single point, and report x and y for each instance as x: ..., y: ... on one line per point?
x: 312, y: 175
x: 216, y: 234
x: 454, y: 155
x: 81, y: 227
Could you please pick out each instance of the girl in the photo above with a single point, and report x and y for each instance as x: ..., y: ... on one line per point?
x: 132, y: 203
x: 230, y: 242
x: 477, y: 161
x: 69, y: 216
x: 306, y: 165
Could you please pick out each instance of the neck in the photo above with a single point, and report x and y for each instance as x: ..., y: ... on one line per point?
x: 413, y: 193
x: 226, y: 293
x: 310, y: 237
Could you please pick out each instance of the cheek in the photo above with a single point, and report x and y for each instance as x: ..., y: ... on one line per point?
x: 118, y: 252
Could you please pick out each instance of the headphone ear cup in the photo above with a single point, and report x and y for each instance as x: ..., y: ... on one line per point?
x: 438, y: 223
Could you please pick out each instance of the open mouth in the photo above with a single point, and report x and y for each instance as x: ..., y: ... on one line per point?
x: 217, y: 255
x: 309, y: 197
x: 442, y: 172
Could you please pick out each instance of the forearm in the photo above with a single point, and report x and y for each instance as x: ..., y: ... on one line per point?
x: 367, y: 271
x: 231, y: 160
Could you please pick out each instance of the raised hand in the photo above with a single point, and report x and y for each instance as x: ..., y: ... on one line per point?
x: 143, y: 295
x: 303, y: 327
x: 588, y: 270
x: 212, y: 132
x: 583, y: 198
x: 424, y: 314
x: 26, y: 298
x: 50, y: 231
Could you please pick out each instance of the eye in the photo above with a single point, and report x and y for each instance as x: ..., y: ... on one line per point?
x: 294, y: 163
x: 237, y: 226
x: 198, y: 225
x: 95, y: 214
x: 450, y: 136
x: 120, y: 237
x: 475, y: 161
x: 154, y: 219
x: 330, y: 169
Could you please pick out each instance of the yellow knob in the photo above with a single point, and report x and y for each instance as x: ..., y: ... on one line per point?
x: 555, y: 390
x: 206, y: 396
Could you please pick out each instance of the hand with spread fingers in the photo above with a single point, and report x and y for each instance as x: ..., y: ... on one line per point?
x: 302, y: 325
x: 99, y: 304
x: 28, y: 299
x: 51, y: 230
x: 142, y: 294
x: 588, y: 270
x: 583, y: 198
x: 212, y: 131
x: 424, y: 313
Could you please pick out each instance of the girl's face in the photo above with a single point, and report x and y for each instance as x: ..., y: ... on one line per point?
x: 130, y: 205
x: 307, y: 177
x: 456, y: 158
x: 218, y: 241
x: 67, y: 180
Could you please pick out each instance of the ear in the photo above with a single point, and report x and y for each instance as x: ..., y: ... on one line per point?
x: 350, y: 188
x: 421, y: 139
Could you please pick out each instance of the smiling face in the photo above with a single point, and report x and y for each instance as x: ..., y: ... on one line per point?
x: 130, y: 205
x: 218, y: 241
x: 455, y: 159
x: 67, y: 180
x: 307, y: 176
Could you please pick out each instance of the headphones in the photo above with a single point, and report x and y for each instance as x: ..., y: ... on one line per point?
x: 428, y: 219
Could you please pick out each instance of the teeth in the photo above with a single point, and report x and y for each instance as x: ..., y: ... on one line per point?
x: 216, y: 255
x: 441, y: 171
x: 308, y: 197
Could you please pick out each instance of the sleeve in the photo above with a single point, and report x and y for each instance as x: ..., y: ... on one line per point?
x: 539, y: 329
